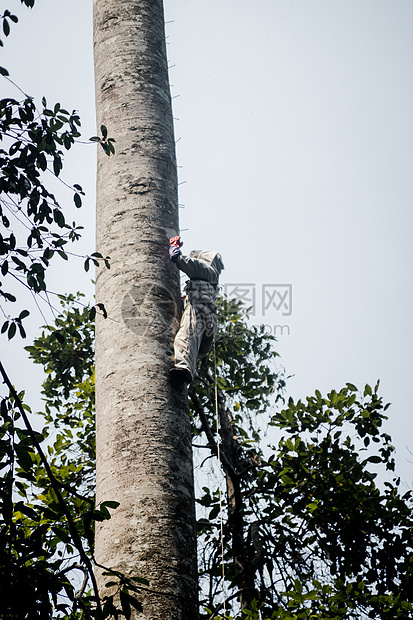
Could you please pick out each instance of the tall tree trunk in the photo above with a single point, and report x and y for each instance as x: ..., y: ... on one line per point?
x: 144, y: 455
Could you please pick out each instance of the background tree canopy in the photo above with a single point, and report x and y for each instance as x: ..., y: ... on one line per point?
x: 307, y: 531
x: 38, y: 523
x: 33, y: 228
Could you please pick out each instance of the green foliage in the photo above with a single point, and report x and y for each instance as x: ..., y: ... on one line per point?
x: 47, y: 503
x: 341, y: 536
x: 105, y: 142
x: 41, y: 521
x: 307, y: 531
x: 66, y: 351
x: 34, y: 227
x: 7, y: 17
x: 245, y: 368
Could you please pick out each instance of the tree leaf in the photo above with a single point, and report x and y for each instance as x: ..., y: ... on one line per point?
x: 12, y: 331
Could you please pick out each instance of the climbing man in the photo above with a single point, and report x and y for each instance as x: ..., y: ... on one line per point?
x: 199, y: 321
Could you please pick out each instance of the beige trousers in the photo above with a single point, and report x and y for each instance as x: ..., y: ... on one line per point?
x: 196, y: 334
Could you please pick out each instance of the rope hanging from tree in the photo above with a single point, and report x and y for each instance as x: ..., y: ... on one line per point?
x: 219, y: 479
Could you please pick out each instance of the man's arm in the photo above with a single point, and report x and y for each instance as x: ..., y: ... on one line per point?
x: 196, y: 268
x: 193, y: 267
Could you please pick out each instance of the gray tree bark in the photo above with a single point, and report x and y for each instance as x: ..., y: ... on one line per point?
x: 144, y: 455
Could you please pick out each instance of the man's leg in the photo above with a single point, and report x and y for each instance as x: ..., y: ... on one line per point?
x: 186, y: 345
x: 210, y: 330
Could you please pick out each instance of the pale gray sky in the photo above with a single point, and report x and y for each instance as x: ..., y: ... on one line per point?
x: 296, y: 144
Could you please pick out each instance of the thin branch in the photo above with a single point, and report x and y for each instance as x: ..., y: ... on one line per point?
x: 18, y: 87
x: 56, y: 488
x: 224, y: 602
x: 142, y: 587
x: 84, y: 584
x: 210, y: 435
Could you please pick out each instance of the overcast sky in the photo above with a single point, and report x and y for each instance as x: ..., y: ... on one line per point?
x: 294, y: 122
